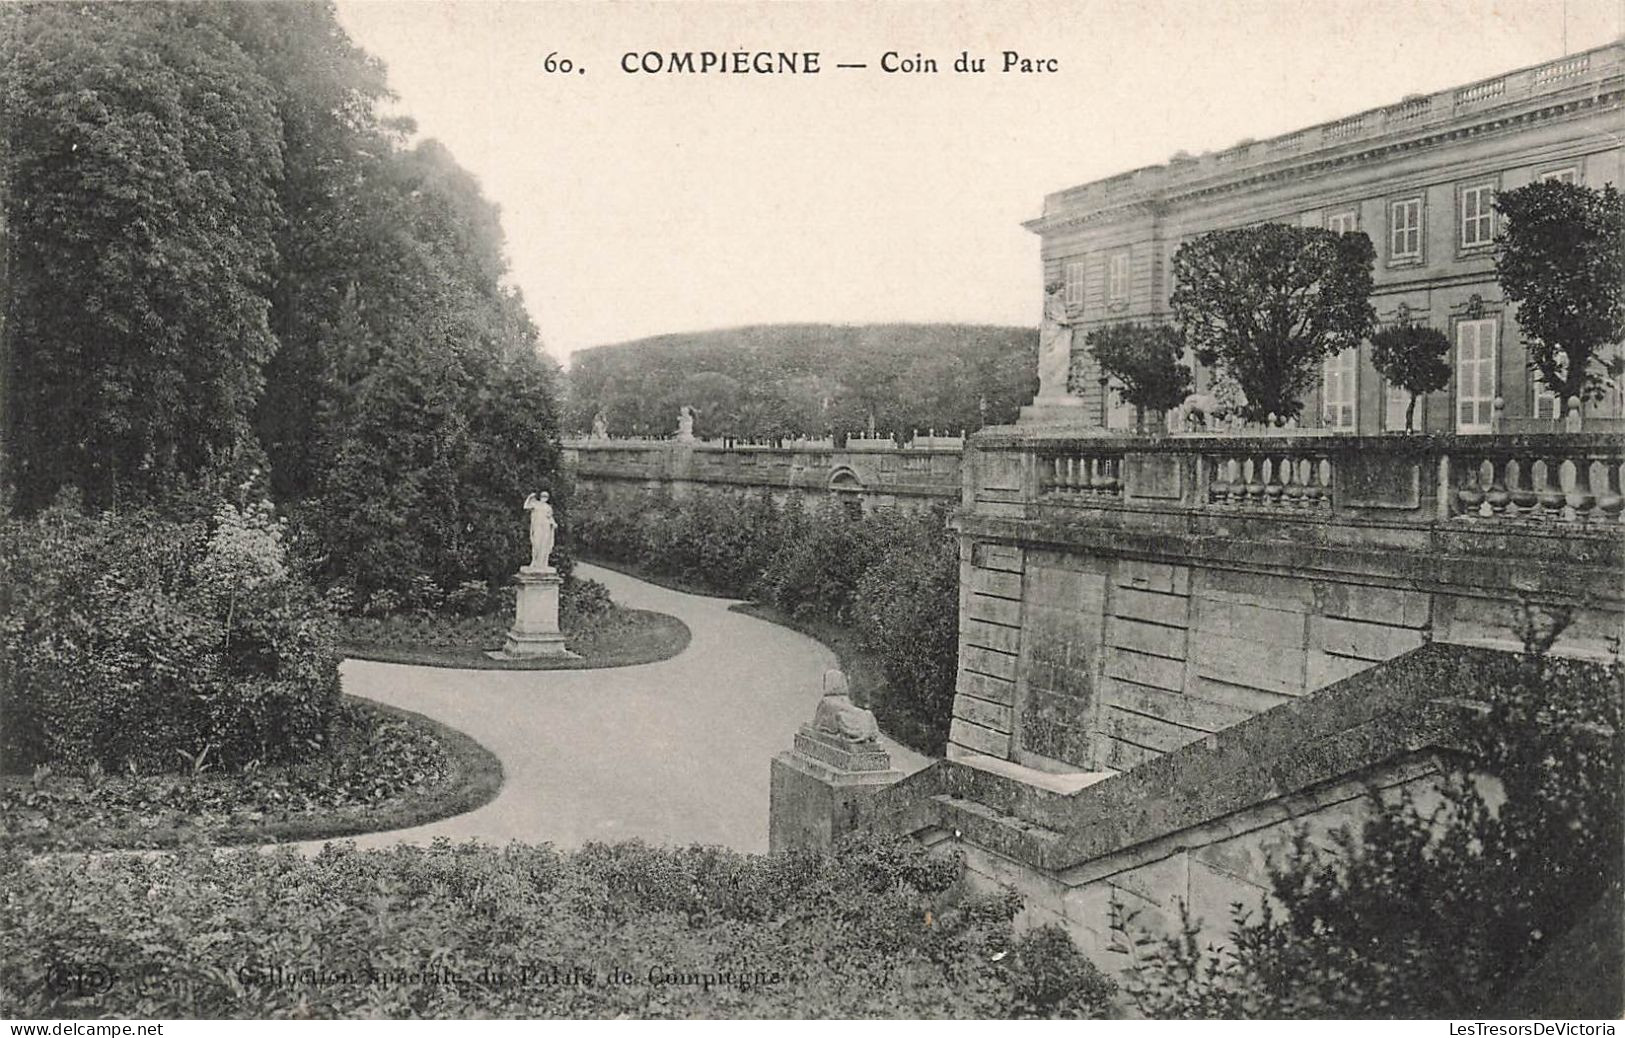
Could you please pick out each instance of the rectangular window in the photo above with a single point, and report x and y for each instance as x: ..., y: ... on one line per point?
x: 1337, y: 390
x: 1405, y: 229
x: 1343, y: 222
x: 1074, y: 274
x: 1477, y: 216
x: 1395, y: 401
x: 1566, y: 175
x: 1117, y: 278
x: 1475, y: 375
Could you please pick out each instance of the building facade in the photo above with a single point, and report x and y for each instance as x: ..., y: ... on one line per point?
x: 1418, y: 177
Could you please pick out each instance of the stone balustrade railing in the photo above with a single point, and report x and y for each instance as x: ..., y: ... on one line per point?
x: 1296, y: 480
x: 1548, y: 482
x: 1571, y: 479
x: 1082, y: 475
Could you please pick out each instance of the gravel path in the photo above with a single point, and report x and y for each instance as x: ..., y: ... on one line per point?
x: 668, y: 752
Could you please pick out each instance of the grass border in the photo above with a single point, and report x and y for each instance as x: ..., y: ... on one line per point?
x: 475, y: 778
x: 676, y: 638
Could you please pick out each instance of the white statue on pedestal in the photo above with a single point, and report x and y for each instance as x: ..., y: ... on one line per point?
x: 543, y: 527
x: 685, y: 424
x: 1054, y: 344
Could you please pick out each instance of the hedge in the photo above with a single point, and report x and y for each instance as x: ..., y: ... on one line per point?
x: 890, y: 576
x: 880, y: 928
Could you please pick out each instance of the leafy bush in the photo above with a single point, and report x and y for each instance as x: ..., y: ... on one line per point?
x: 878, y: 928
x: 582, y: 601
x: 907, y: 612
x: 146, y: 644
x: 1439, y: 914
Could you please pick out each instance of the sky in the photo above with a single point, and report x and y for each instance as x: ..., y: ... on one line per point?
x: 641, y: 204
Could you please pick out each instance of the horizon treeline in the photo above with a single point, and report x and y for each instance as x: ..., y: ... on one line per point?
x: 785, y: 380
x: 227, y: 268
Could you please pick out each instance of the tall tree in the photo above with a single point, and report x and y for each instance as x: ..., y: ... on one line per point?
x: 142, y: 157
x: 1560, y: 260
x: 1268, y: 302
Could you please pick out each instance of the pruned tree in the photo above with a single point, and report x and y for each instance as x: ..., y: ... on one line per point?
x: 1147, y: 359
x: 1268, y: 302
x: 1411, y: 356
x: 1560, y: 261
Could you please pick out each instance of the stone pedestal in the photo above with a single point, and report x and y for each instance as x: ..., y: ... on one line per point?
x: 1060, y: 409
x: 535, y: 630
x: 817, y: 786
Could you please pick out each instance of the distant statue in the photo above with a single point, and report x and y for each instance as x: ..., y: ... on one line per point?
x: 1054, y: 343
x: 600, y: 427
x: 838, y: 715
x: 685, y: 423
x: 543, y: 527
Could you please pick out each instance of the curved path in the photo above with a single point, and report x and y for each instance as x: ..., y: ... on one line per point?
x: 669, y: 752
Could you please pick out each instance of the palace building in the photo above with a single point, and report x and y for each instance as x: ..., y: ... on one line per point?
x: 1418, y: 176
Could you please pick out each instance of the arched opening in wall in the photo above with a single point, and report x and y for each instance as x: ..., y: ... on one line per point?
x: 847, y: 489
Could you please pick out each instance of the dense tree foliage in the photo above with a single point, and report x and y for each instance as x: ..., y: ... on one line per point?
x: 1560, y: 260
x: 225, y: 260
x: 775, y: 381
x: 1411, y: 357
x: 1147, y: 360
x: 143, y: 155
x: 1268, y: 302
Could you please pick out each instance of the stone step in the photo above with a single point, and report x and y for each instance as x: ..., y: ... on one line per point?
x: 987, y: 827
x: 1007, y: 793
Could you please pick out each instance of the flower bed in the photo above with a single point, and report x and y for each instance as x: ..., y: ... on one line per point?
x: 615, y: 638
x: 384, y: 768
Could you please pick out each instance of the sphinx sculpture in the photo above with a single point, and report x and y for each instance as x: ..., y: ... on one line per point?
x: 839, y: 716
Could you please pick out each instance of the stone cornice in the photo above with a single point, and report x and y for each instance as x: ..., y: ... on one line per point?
x: 1198, y: 180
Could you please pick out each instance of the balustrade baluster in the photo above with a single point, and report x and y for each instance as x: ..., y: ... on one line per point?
x: 1609, y: 499
x: 1218, y: 486
x: 1551, y: 488
x: 1497, y: 496
x: 1579, y: 498
x: 1273, y: 481
x: 1111, y: 484
x: 1522, y: 488
x: 1293, y: 488
x: 1471, y: 491
x: 1255, y: 481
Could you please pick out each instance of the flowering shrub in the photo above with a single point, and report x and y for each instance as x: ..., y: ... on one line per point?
x: 145, y: 644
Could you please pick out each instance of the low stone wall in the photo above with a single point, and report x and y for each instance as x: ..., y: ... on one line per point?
x: 1177, y: 651
x: 866, y: 476
x: 1198, y: 826
x: 1122, y: 597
